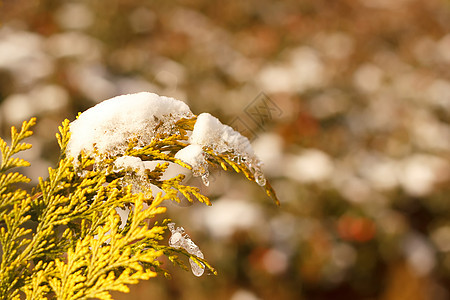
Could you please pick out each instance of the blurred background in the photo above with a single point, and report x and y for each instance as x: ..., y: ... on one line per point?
x: 347, y: 103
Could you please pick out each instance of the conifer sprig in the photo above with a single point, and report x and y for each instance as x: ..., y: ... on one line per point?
x: 65, y: 238
x: 77, y: 248
x: 16, y: 146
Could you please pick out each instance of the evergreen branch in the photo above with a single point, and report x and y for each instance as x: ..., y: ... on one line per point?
x: 173, y: 186
x: 7, y: 152
x: 173, y: 255
x: 37, y: 288
x: 226, y: 160
x: 63, y: 136
x: 78, y: 248
x: 90, y: 268
x: 12, y: 240
x: 9, y: 199
x: 11, y: 178
x: 14, y: 208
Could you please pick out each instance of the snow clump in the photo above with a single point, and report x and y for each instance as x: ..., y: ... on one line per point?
x: 210, y: 132
x: 108, y: 126
x: 132, y: 162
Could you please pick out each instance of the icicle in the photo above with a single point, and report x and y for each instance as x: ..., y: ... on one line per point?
x: 180, y: 239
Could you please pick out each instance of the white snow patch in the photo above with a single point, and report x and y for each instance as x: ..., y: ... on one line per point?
x: 107, y: 128
x: 194, y: 156
x: 210, y: 132
x: 135, y: 163
x: 109, y: 125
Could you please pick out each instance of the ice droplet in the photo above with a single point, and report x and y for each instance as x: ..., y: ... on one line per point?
x: 196, y: 269
x: 176, y: 240
x: 205, y: 179
x: 180, y: 239
x: 259, y: 178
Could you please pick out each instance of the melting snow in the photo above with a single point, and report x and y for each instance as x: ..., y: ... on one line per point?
x: 210, y: 132
x: 180, y: 239
x: 108, y: 127
x: 194, y: 156
x: 132, y: 162
x: 110, y: 124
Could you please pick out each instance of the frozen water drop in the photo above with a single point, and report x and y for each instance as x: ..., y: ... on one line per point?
x: 196, y: 269
x: 205, y: 179
x: 176, y: 240
x: 171, y: 227
x: 180, y: 239
x: 259, y: 178
x: 190, y: 246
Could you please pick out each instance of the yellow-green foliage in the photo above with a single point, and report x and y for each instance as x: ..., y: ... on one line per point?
x: 62, y: 240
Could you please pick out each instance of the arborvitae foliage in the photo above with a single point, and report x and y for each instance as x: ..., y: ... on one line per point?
x: 65, y: 240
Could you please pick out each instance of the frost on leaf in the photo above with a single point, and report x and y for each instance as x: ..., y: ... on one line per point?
x: 180, y: 239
